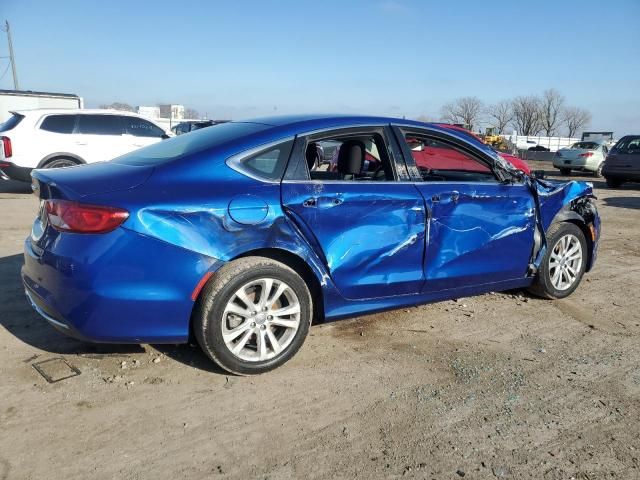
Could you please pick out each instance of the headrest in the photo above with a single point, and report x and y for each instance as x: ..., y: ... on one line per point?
x: 351, y: 157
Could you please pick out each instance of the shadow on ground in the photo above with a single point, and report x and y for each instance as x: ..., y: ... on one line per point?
x: 20, y: 320
x: 9, y: 186
x: 623, y: 202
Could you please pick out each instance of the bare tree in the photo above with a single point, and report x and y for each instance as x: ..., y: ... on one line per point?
x: 500, y: 114
x: 551, y: 109
x: 191, y: 113
x: 119, y: 106
x: 526, y: 114
x: 575, y: 118
x: 425, y: 118
x: 465, y: 110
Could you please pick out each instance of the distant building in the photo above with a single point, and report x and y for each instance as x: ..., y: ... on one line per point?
x: 173, y: 112
x: 149, y: 112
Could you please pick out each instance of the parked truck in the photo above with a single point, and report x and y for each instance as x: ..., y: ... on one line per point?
x: 11, y: 100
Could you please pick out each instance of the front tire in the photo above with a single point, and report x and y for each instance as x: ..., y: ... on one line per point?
x: 253, y: 316
x: 564, y: 262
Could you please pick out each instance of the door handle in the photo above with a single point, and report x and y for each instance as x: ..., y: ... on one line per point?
x: 455, y: 196
x: 435, y: 198
x: 81, y: 143
x: 310, y: 202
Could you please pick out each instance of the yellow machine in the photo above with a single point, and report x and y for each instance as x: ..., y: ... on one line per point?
x: 492, y: 138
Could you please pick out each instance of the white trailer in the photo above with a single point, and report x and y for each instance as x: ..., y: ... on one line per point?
x: 11, y: 100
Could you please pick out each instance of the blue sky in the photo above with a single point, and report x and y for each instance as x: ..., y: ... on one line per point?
x: 247, y: 58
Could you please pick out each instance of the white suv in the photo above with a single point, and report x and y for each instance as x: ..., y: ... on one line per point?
x: 47, y: 138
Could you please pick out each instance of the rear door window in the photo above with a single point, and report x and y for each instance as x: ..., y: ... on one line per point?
x: 139, y: 127
x: 100, y: 125
x: 59, y: 123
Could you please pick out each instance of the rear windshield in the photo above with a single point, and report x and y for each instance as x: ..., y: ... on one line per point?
x: 11, y: 122
x: 585, y: 146
x: 195, y: 142
x: 628, y: 143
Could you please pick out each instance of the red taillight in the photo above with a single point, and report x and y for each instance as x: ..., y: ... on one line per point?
x: 586, y: 154
x: 6, y: 147
x: 79, y: 218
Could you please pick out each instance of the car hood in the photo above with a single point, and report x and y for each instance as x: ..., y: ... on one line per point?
x: 85, y: 180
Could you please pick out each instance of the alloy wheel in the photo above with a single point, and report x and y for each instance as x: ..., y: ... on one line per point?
x: 565, y: 262
x: 261, y: 320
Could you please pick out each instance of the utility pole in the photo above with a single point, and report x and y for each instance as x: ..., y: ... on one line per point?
x: 12, y: 57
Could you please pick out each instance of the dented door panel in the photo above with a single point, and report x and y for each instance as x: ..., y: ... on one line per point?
x: 371, y: 234
x: 478, y: 233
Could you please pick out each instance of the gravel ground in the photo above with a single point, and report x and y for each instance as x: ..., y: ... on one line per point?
x: 503, y: 385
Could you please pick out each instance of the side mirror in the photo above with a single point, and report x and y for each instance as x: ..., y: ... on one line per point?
x: 164, y: 136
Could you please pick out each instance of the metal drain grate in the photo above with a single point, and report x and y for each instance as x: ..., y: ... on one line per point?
x: 56, y: 369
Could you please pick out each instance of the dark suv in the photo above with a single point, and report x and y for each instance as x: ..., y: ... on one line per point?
x: 623, y: 162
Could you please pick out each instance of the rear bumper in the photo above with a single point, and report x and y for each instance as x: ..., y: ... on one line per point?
x: 621, y: 173
x: 574, y: 164
x: 119, y: 287
x: 11, y: 171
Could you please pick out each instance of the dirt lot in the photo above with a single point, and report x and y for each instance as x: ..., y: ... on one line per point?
x: 503, y: 385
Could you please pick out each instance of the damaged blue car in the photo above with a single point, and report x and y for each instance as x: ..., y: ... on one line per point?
x: 243, y: 234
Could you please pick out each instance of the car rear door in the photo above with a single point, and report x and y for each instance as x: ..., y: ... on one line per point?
x: 368, y: 226
x: 100, y: 137
x: 480, y: 231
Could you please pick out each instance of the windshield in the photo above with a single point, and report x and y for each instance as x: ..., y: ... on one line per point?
x: 585, y: 146
x: 182, y: 145
x: 11, y: 122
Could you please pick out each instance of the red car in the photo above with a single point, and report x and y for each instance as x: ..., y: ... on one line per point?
x: 512, y: 159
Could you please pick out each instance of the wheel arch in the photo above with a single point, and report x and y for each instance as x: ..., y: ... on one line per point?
x: 55, y: 156
x: 569, y: 216
x: 288, y: 258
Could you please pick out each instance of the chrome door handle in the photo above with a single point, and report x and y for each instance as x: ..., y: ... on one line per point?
x: 454, y: 197
x: 310, y: 202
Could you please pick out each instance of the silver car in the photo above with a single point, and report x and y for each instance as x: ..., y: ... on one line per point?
x: 585, y: 156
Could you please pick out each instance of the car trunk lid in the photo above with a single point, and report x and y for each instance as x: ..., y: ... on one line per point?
x: 74, y: 183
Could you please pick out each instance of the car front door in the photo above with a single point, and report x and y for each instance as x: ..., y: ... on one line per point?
x: 357, y: 209
x: 480, y: 230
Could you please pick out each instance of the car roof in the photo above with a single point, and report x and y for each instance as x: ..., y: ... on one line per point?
x: 301, y: 123
x: 74, y: 111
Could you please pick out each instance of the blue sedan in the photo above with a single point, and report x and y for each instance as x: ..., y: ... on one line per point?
x: 243, y: 234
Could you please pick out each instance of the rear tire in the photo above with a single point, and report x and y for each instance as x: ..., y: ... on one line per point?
x: 61, y: 162
x: 613, y: 182
x: 565, y: 171
x: 598, y: 172
x: 564, y: 262
x: 253, y: 316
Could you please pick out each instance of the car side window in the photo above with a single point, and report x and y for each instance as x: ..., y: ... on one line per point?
x: 100, y: 125
x: 139, y: 127
x: 357, y: 157
x: 268, y: 164
x: 59, y: 123
x: 438, y: 160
